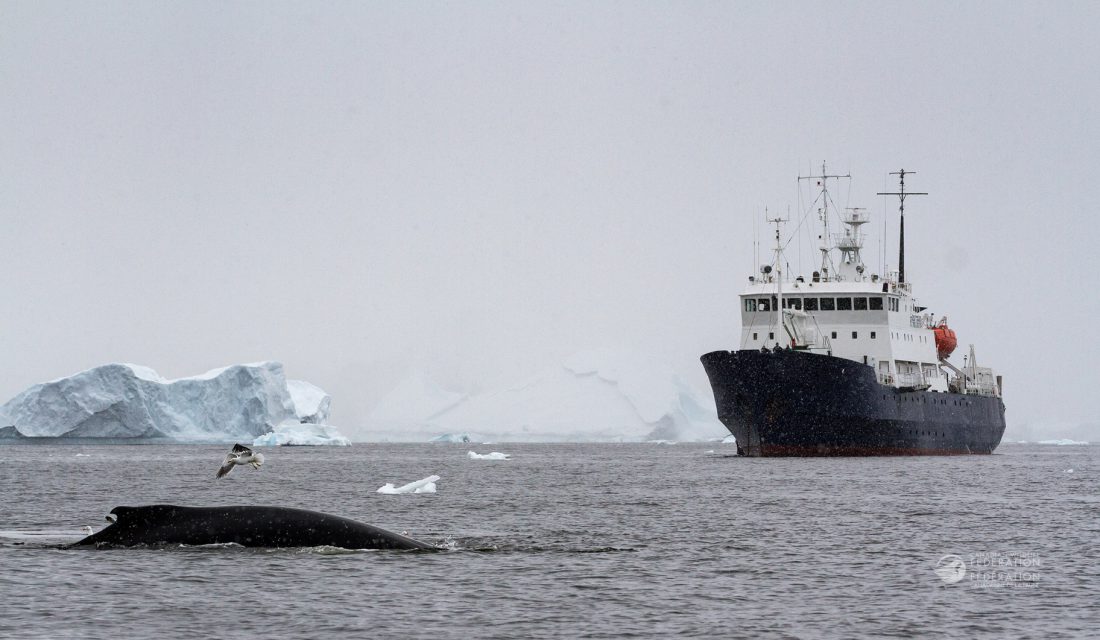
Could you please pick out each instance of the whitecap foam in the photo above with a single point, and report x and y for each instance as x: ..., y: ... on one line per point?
x: 43, y: 535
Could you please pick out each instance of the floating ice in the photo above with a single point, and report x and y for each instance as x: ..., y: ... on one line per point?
x: 1062, y: 441
x: 130, y: 401
x: 427, y: 485
x: 302, y: 434
x: 495, y: 455
x: 1069, y: 470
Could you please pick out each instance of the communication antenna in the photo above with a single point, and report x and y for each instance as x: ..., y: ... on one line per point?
x: 823, y: 212
x: 901, y: 193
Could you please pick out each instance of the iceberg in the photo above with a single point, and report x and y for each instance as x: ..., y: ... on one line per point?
x: 302, y: 434
x: 457, y: 438
x: 238, y: 402
x: 416, y: 402
x: 311, y: 404
x: 597, y: 395
x: 427, y: 485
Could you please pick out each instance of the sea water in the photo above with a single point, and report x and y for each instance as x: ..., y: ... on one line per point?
x: 567, y: 541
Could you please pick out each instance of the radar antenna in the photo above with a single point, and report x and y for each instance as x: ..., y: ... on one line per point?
x: 901, y: 193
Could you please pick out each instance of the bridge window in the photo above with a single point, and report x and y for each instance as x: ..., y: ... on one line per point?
x: 860, y: 304
x: 872, y: 335
x: 834, y: 335
x: 827, y: 304
x: 764, y: 304
x: 793, y: 303
x: 843, y: 304
x: 771, y: 335
x: 876, y: 303
x: 754, y: 336
x: 855, y: 335
x: 811, y: 304
x: 750, y: 304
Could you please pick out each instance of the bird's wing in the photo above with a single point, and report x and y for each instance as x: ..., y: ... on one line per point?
x: 227, y: 466
x: 240, y: 448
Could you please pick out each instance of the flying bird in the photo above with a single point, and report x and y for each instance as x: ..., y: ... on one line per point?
x: 240, y: 455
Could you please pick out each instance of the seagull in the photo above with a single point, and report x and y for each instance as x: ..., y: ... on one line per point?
x: 240, y: 455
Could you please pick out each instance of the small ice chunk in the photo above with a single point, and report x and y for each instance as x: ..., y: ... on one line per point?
x: 1069, y: 470
x: 494, y: 455
x: 1062, y: 441
x: 427, y: 485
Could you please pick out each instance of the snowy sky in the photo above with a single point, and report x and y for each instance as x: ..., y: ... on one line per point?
x: 478, y: 190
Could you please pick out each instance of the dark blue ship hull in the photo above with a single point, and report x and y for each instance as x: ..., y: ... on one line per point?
x: 796, y: 403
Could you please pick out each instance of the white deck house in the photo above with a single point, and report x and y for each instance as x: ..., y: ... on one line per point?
x: 842, y: 311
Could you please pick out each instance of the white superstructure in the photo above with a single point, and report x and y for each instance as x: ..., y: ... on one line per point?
x: 842, y: 310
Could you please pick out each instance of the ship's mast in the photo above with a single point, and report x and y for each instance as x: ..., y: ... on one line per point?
x: 778, y: 279
x: 823, y: 213
x: 850, y: 243
x: 901, y: 193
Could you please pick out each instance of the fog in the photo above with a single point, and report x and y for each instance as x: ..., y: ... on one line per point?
x: 479, y: 190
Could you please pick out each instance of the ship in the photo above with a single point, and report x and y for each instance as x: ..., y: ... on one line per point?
x: 846, y: 362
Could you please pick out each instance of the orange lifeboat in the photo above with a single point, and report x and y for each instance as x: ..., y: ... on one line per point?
x: 945, y: 339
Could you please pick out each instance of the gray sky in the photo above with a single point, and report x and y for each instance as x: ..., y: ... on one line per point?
x: 477, y: 190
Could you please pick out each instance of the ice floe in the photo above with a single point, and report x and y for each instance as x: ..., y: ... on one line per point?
x: 302, y: 434
x: 494, y: 455
x: 427, y: 485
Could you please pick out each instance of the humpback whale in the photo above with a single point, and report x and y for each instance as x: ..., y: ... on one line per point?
x: 249, y: 526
